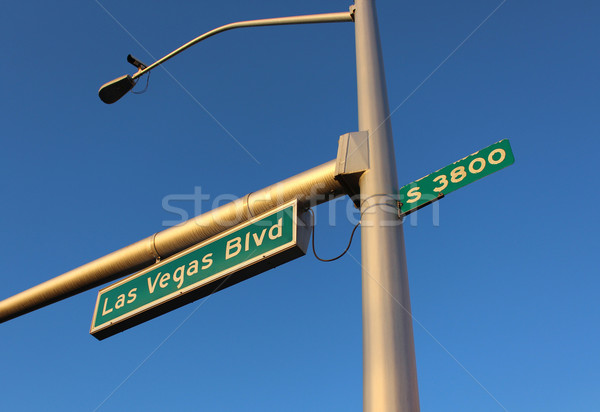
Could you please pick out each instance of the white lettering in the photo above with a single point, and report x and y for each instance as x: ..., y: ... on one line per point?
x: 131, y: 295
x: 179, y: 275
x: 414, y: 194
x: 152, y: 285
x: 163, y: 280
x: 104, y: 311
x: 276, y: 227
x: 481, y: 162
x: 193, y: 269
x: 258, y: 240
x: 491, y: 156
x: 120, y: 301
x: 207, y: 261
x: 231, y: 244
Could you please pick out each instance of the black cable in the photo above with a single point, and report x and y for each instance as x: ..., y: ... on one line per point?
x: 145, y: 88
x: 313, y: 240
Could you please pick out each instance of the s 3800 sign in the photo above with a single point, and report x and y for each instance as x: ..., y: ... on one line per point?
x: 436, y: 185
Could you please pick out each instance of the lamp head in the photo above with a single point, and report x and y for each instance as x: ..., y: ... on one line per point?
x: 112, y: 91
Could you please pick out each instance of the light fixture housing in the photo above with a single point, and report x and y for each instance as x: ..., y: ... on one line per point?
x: 115, y: 89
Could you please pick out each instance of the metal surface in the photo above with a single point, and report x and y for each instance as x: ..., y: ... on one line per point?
x: 312, y: 187
x: 312, y: 18
x: 389, y: 366
x: 352, y: 161
x: 353, y: 153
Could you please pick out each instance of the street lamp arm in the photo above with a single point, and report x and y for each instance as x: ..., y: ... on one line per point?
x: 278, y: 21
x: 115, y: 89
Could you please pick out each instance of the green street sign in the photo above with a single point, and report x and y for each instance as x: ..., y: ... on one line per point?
x: 436, y: 185
x: 237, y: 254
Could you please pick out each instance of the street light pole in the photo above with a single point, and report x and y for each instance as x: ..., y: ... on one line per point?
x: 389, y: 365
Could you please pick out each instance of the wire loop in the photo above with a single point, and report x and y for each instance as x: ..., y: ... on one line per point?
x: 313, y: 240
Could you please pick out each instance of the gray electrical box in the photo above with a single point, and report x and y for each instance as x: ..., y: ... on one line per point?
x: 352, y: 161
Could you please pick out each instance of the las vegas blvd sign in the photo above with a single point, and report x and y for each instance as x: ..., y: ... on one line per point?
x: 434, y: 186
x: 237, y: 254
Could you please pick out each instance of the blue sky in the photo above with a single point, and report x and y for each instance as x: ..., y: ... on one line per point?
x: 503, y: 273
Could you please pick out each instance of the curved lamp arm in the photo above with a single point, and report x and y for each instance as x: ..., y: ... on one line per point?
x: 117, y: 88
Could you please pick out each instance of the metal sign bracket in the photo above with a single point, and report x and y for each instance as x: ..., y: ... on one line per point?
x: 351, y: 162
x: 402, y: 214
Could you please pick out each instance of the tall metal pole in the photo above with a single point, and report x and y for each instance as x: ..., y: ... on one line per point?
x: 389, y: 366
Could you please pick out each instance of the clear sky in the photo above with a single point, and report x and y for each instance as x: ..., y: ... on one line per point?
x: 503, y: 273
